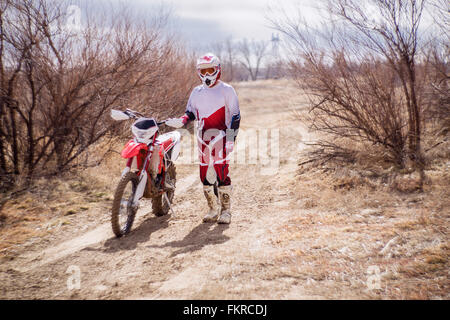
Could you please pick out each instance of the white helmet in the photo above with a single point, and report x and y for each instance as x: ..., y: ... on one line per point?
x: 208, y: 69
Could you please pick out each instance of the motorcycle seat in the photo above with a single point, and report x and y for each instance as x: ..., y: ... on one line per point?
x: 169, y: 139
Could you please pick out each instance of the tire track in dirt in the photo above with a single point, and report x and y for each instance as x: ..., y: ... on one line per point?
x: 99, y: 234
x: 204, y: 278
x: 234, y: 268
x: 179, y: 257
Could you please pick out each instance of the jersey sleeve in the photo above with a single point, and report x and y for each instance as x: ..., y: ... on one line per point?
x: 233, y: 114
x: 190, y: 107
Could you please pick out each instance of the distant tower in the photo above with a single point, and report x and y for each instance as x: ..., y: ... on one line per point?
x: 275, y: 45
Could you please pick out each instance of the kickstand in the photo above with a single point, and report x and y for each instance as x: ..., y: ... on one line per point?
x: 170, y: 205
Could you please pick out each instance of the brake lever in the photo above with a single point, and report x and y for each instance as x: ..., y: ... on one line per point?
x: 129, y: 113
x: 133, y: 113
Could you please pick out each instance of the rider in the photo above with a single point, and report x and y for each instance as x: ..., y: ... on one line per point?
x: 214, y: 104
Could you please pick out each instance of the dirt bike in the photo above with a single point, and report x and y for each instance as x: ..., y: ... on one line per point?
x: 149, y: 172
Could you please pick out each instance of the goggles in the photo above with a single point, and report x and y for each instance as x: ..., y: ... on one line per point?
x: 209, y: 71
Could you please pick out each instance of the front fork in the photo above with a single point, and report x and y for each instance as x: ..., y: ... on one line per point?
x: 140, y: 188
x: 125, y: 171
x: 143, y: 175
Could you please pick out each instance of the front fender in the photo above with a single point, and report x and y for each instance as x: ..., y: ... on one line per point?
x: 132, y: 149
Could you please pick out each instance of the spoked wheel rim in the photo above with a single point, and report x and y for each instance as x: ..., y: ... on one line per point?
x: 123, y: 211
x: 126, y: 206
x: 161, y: 203
x: 170, y: 183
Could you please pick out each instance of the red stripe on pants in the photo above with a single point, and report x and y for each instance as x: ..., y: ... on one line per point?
x: 221, y: 169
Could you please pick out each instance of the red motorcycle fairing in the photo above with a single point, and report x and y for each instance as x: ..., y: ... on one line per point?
x: 132, y: 149
x: 135, y: 149
x: 167, y: 144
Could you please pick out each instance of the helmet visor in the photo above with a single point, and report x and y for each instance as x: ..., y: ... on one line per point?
x: 209, y: 71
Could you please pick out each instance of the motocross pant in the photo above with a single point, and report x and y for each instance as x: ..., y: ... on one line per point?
x: 216, y: 155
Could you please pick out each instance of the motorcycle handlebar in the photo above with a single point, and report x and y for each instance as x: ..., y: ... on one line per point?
x: 136, y: 114
x: 132, y: 113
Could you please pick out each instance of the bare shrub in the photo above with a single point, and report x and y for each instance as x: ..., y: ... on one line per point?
x: 59, y: 82
x: 360, y: 72
x: 363, y: 104
x: 436, y: 67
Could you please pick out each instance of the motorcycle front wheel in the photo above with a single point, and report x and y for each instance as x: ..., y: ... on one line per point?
x: 123, y: 211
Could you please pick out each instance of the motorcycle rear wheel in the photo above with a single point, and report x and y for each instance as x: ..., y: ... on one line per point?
x: 159, y: 203
x: 123, y: 212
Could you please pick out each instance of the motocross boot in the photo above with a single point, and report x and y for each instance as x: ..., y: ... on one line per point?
x: 213, y: 205
x: 225, y: 197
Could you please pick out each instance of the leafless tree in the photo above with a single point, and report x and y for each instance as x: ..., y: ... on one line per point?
x: 226, y: 51
x: 230, y: 53
x: 58, y: 82
x: 437, y: 67
x: 218, y: 49
x: 360, y: 71
x: 251, y: 55
x: 276, y: 68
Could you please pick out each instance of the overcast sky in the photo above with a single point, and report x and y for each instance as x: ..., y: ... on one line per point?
x: 202, y: 22
x: 206, y: 21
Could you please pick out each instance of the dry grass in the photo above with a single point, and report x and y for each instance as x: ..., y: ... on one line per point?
x: 347, y: 224
x: 349, y: 216
x: 343, y: 219
x: 43, y: 209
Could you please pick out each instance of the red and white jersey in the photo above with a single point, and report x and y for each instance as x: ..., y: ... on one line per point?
x: 214, y: 106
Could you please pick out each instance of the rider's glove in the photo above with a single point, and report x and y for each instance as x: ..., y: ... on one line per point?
x: 177, y: 122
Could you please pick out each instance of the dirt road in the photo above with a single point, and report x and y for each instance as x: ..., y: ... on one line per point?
x: 179, y: 257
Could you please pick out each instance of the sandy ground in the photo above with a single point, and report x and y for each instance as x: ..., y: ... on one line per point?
x: 277, y: 246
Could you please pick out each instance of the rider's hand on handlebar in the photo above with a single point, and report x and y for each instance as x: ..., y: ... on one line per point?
x: 176, y: 122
